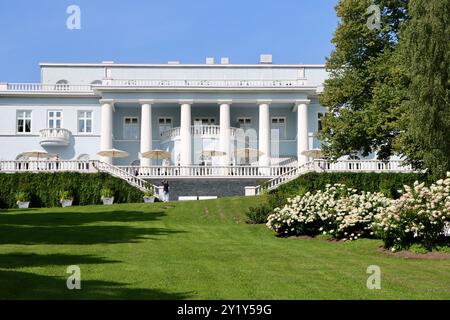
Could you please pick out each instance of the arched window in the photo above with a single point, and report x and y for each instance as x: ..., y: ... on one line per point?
x: 62, y: 85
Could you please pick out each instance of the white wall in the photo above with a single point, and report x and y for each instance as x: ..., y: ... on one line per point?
x: 85, y: 74
x: 13, y: 143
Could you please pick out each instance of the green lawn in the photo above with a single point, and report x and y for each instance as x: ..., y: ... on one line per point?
x: 193, y: 250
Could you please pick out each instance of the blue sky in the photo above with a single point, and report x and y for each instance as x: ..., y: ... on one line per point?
x: 156, y: 31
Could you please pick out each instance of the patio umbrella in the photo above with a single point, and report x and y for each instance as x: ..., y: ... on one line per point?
x: 36, y: 154
x: 313, y: 153
x: 113, y: 153
x: 249, y: 153
x: 156, y: 155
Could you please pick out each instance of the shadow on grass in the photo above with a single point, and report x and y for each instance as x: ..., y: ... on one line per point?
x: 24, y: 285
x: 81, y: 235
x: 68, y: 218
x: 80, y: 228
x: 25, y: 260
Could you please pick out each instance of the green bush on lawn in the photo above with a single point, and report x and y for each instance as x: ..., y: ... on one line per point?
x: 44, y: 188
x: 386, y: 183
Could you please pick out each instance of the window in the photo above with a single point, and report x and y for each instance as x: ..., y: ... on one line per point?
x: 131, y: 128
x: 54, y: 119
x: 85, y: 121
x: 164, y: 124
x: 320, y: 115
x: 205, y: 121
x: 23, y: 121
x: 244, y: 123
x: 279, y: 123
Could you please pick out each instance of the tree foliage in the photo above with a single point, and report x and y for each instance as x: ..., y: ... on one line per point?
x: 425, y: 49
x: 388, y: 89
x: 361, y: 118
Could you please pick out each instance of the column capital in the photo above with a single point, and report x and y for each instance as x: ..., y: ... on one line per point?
x: 300, y: 102
x: 186, y: 101
x: 107, y: 101
x: 225, y: 101
x: 264, y: 101
x: 146, y: 101
x: 304, y: 101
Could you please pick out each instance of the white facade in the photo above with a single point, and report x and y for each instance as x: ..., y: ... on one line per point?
x: 79, y: 109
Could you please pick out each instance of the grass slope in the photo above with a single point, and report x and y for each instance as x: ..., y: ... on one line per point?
x: 193, y: 250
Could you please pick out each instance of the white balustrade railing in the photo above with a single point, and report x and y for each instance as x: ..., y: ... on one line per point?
x: 135, y: 175
x: 363, y: 166
x: 339, y: 166
x: 199, y: 130
x: 88, y: 166
x: 124, y: 175
x: 39, y: 87
x: 46, y: 166
x: 62, y: 135
x: 174, y: 83
x: 206, y: 171
x: 205, y: 83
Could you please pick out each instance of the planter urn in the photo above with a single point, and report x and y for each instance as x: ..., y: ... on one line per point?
x: 23, y: 204
x: 108, y: 201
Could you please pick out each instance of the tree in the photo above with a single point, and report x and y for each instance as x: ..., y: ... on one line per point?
x: 364, y: 90
x: 425, y: 48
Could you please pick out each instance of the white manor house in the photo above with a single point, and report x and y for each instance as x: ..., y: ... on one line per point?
x: 242, y: 123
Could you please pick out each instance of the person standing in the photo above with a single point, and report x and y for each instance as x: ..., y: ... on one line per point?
x: 166, y: 189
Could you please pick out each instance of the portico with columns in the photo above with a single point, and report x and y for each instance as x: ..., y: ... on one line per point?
x: 182, y: 140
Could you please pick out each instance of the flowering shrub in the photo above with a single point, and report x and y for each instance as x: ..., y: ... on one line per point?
x: 338, y: 211
x: 420, y: 215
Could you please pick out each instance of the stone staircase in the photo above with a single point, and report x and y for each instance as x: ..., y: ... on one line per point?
x: 134, y: 181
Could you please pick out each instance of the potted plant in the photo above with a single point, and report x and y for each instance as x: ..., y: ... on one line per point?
x: 107, y: 196
x: 65, y: 198
x: 23, y: 200
x: 149, y: 196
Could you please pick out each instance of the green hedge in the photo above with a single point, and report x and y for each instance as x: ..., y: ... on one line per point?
x: 386, y: 183
x: 45, y: 187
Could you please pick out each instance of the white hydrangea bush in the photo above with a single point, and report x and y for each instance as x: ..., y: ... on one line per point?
x: 337, y: 211
x: 421, y: 215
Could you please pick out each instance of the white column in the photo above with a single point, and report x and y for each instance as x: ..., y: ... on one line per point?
x: 302, y: 132
x: 106, y: 134
x: 146, y: 130
x: 185, y: 134
x: 225, y: 132
x: 264, y: 133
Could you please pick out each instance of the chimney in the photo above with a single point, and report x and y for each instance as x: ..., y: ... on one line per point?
x: 225, y: 60
x: 266, y: 59
x: 209, y: 60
